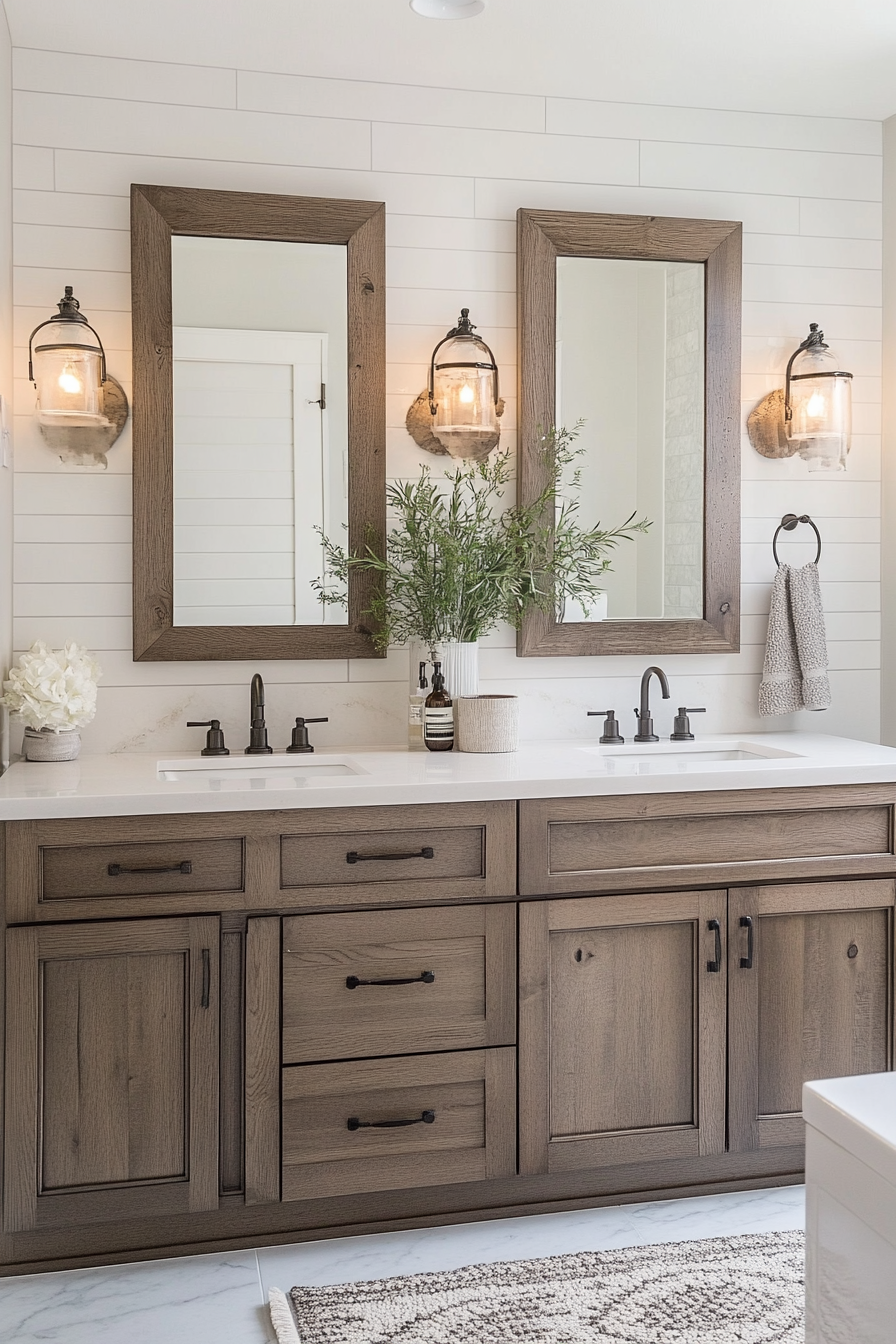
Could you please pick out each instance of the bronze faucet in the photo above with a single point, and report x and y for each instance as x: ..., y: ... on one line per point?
x: 258, y: 733
x: 645, y: 731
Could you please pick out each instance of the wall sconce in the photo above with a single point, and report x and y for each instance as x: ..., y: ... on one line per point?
x: 812, y: 414
x: 458, y: 413
x: 81, y: 409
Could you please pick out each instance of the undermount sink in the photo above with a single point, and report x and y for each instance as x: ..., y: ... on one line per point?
x: 228, y: 774
x: 685, y: 758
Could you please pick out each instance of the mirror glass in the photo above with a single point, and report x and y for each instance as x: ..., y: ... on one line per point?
x: 260, y: 428
x: 631, y: 364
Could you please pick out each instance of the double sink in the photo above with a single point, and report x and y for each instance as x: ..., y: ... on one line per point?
x: 244, y: 773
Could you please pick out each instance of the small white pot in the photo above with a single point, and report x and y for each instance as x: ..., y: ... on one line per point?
x: 488, y: 723
x: 41, y: 744
x: 460, y: 668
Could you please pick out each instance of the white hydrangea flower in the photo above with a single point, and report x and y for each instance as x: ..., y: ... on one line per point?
x: 53, y: 688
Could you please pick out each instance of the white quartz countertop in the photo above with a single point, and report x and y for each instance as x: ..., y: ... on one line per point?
x: 143, y: 784
x: 859, y: 1114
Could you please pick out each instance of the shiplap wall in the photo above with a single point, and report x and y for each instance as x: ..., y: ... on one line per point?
x: 452, y: 168
x: 6, y: 362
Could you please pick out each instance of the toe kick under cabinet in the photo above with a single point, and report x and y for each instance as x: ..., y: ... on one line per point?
x: 243, y: 1028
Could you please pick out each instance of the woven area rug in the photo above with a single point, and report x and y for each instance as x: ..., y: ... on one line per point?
x: 727, y: 1290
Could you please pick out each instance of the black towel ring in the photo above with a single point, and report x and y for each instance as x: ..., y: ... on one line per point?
x: 788, y: 523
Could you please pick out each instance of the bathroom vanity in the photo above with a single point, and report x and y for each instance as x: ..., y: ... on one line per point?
x: 254, y: 1002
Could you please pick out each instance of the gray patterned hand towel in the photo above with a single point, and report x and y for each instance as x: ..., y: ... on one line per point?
x: 811, y: 641
x: 796, y: 661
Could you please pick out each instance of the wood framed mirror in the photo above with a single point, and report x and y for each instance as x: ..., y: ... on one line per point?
x: 259, y: 420
x: 632, y: 324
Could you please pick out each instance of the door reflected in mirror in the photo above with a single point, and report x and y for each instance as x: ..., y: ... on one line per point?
x: 260, y: 427
x: 630, y: 363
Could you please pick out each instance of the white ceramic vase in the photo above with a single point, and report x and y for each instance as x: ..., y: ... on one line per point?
x: 41, y: 744
x: 460, y: 668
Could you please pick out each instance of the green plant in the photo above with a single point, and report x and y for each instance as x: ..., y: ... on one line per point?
x: 457, y: 562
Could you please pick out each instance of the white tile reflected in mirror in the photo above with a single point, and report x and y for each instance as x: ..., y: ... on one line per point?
x: 631, y: 364
x: 260, y: 428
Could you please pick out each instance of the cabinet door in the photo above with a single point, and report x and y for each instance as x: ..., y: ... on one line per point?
x: 111, y: 1071
x: 811, y: 989
x: 622, y: 1030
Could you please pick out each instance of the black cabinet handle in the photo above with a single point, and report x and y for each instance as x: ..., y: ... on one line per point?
x: 746, y: 963
x: 354, y: 857
x: 186, y: 867
x: 353, y: 1123
x: 715, y: 927
x: 424, y: 978
x: 206, y: 977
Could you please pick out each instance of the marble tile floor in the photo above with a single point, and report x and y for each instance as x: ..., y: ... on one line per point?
x: 220, y: 1299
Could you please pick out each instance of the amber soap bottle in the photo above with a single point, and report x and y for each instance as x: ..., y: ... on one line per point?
x: 438, y: 715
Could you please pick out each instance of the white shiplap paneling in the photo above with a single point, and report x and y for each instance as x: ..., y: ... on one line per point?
x: 452, y: 167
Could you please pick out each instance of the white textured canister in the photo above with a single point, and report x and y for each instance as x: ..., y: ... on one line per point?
x: 487, y: 722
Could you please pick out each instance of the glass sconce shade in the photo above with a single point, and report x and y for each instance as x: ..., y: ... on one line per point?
x: 818, y: 404
x: 68, y: 368
x: 463, y: 384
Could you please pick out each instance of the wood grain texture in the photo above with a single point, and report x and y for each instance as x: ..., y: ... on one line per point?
x: 70, y: 872
x: 322, y: 1157
x: 459, y: 1010
x: 542, y: 236
x: 112, y: 1078
x: 322, y: 860
x: 634, y: 842
x: 806, y: 1009
x: 262, y: 1101
x: 21, y: 1070
x: 234, y: 1226
x: 233, y: 1073
x: 622, y: 1045
x: 260, y: 834
x: 675, y: 842
x: 474, y: 857
x: 112, y: 1072
x: 157, y: 213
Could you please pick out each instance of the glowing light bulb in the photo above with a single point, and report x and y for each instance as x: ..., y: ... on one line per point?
x: 69, y: 381
x: 467, y: 395
x: 816, y: 406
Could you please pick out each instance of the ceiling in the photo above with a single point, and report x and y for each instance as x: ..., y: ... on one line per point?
x: 824, y: 58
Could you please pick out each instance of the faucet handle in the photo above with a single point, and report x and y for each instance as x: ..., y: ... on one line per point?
x: 300, y: 743
x: 681, y: 731
x: 610, y: 735
x: 214, y: 738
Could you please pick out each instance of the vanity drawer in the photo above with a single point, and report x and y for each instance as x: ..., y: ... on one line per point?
x: 119, y: 866
x: 389, y: 855
x: 72, y: 871
x: 459, y: 965
x: 341, y: 1133
x: 619, y: 843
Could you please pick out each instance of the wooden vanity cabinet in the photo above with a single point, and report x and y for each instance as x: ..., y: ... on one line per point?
x: 198, y: 1009
x: 639, y: 1015
x: 380, y: 1048
x: 111, y: 1071
x: 622, y: 1030
x: 811, y: 984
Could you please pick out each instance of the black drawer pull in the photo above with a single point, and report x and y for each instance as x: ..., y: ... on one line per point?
x: 746, y: 963
x: 424, y: 978
x: 353, y: 1123
x: 116, y: 870
x: 427, y: 852
x: 206, y: 977
x: 715, y: 927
